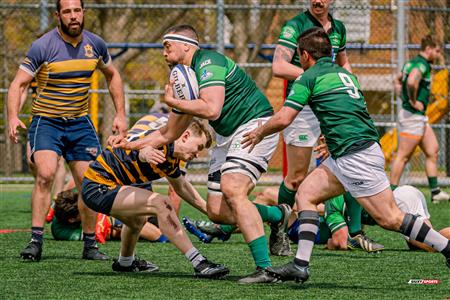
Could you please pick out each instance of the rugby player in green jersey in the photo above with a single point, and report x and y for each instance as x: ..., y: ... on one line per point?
x: 413, y: 85
x: 233, y: 104
x: 356, y: 162
x: 302, y: 134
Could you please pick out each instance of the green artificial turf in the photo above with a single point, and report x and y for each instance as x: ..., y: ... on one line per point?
x: 335, y: 275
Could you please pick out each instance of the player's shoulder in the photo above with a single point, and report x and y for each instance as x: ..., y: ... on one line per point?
x: 298, y: 21
x: 95, y: 39
x: 209, y: 57
x: 46, y: 39
x: 340, y: 26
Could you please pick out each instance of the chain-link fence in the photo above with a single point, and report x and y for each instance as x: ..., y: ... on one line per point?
x: 381, y: 36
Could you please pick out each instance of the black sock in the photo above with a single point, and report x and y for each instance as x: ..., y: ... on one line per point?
x: 37, y: 233
x: 89, y: 240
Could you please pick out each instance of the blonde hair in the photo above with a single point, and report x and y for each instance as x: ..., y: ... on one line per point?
x: 199, y: 127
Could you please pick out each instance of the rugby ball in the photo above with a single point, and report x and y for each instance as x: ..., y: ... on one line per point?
x: 185, y: 85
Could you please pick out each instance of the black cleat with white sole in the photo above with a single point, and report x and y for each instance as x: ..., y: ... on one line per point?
x: 208, y: 269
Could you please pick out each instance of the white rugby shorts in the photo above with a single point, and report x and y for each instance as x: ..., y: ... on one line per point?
x: 361, y: 173
x: 304, y: 131
x: 411, y: 124
x: 229, y: 157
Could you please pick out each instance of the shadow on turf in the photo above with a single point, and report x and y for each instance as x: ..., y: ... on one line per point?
x: 153, y: 274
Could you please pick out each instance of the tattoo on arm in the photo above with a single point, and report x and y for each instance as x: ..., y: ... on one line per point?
x: 283, y: 53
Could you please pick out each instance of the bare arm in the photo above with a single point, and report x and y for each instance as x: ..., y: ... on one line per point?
x: 207, y: 106
x: 342, y: 60
x: 115, y: 86
x: 14, y: 104
x: 186, y: 191
x: 277, y: 123
x: 338, y: 239
x: 282, y: 67
x: 412, y: 87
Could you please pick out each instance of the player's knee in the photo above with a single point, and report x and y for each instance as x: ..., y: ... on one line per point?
x: 163, y: 206
x: 293, y: 183
x: 45, y: 177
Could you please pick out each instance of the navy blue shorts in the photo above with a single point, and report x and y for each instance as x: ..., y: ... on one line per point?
x: 99, y: 197
x: 74, y: 139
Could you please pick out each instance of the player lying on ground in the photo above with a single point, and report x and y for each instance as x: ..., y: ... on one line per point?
x: 331, y: 221
x: 356, y: 163
x: 117, y: 184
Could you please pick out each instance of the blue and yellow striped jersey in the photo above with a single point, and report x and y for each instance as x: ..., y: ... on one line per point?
x: 63, y: 72
x: 116, y: 166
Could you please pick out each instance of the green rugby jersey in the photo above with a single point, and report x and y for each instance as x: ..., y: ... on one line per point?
x: 293, y: 28
x: 423, y: 93
x: 243, y: 100
x: 334, y: 96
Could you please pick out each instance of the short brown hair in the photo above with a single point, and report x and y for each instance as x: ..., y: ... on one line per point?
x: 316, y: 42
x: 66, y: 206
x: 427, y: 41
x: 199, y: 127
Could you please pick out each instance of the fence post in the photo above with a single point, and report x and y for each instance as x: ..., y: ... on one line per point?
x: 220, y: 26
x: 43, y: 23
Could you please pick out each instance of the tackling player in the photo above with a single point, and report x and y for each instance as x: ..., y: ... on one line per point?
x: 118, y: 183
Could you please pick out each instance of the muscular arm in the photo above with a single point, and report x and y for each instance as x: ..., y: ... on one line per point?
x: 186, y: 191
x: 412, y: 84
x: 342, y: 60
x: 207, y: 106
x: 14, y: 104
x: 282, y: 67
x: 115, y: 86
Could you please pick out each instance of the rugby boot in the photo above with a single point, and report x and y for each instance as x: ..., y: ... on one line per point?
x: 138, y: 265
x: 279, y: 241
x: 290, y: 272
x: 259, y: 276
x: 361, y: 241
x: 92, y: 253
x: 32, y: 251
x: 208, y: 269
x: 440, y: 197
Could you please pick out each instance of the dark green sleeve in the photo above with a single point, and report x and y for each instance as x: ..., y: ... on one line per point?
x: 300, y: 93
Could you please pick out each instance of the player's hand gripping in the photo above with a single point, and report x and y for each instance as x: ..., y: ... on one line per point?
x: 13, y: 123
x: 252, y: 138
x: 117, y: 141
x: 321, y: 149
x: 169, y: 99
x: 119, y: 125
x: 151, y: 155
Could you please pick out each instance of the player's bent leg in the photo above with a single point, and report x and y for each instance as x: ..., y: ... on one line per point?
x: 407, y: 144
x: 131, y: 201
x: 46, y: 162
x: 319, y: 185
x: 88, y: 216
x: 430, y: 148
x: 383, y: 209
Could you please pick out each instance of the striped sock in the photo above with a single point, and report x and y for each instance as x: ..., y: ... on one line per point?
x: 194, y: 256
x: 37, y: 234
x: 307, y: 231
x: 416, y: 229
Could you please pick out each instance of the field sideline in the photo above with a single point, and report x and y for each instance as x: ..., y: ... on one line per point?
x: 335, y: 275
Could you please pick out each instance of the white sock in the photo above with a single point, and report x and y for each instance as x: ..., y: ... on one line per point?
x: 125, y: 261
x: 194, y: 256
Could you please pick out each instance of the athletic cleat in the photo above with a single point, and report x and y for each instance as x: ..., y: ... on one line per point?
x: 290, y: 272
x: 208, y: 269
x: 361, y: 241
x: 92, y: 253
x: 279, y: 241
x: 192, y: 228
x: 261, y: 275
x: 440, y: 197
x: 136, y: 266
x: 32, y: 251
x: 213, y: 230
